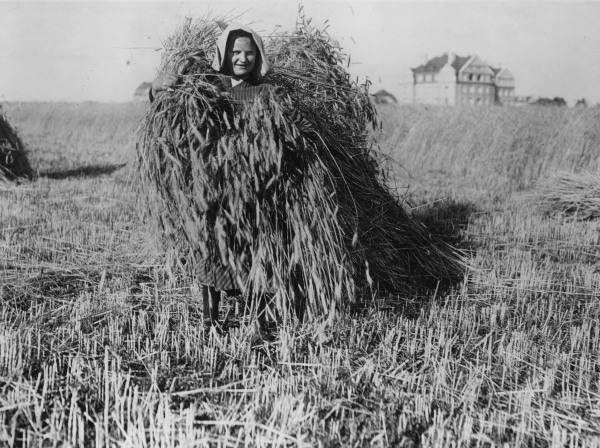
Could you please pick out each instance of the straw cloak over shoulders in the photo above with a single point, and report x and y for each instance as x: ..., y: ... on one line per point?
x: 211, y: 270
x: 294, y: 201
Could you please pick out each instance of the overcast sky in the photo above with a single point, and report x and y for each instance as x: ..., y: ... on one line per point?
x: 101, y: 51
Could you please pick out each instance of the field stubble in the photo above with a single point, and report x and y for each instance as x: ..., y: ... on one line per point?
x: 100, y: 347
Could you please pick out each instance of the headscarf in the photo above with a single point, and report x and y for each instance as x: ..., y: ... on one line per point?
x: 262, y: 65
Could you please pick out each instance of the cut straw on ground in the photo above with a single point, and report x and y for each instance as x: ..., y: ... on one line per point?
x: 570, y: 194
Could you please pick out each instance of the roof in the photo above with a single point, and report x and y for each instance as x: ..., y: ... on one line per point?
x: 499, y: 70
x: 381, y: 95
x: 143, y: 87
x: 434, y: 65
x: 383, y: 92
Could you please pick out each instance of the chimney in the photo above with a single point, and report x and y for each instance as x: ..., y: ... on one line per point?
x: 451, y: 57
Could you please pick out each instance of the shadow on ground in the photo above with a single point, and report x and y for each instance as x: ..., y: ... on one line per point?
x: 84, y: 171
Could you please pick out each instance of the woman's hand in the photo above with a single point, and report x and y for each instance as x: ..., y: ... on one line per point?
x: 164, y: 81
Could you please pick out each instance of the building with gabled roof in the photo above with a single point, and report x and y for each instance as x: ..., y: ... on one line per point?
x: 382, y: 96
x: 142, y: 91
x: 452, y: 80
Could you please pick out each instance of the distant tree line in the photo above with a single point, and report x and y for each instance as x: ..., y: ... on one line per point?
x: 556, y: 101
x: 559, y: 101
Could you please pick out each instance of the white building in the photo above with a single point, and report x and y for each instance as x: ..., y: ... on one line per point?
x: 450, y: 79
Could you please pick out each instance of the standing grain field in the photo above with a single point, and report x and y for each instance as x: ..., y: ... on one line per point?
x: 101, y: 346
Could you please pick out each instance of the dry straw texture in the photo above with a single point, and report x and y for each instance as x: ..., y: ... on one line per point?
x: 285, y: 191
x: 496, y: 150
x: 13, y: 160
x: 576, y: 194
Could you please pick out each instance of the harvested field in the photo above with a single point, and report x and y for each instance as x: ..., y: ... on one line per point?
x: 99, y: 345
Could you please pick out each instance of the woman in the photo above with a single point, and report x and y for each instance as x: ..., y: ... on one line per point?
x: 239, y: 55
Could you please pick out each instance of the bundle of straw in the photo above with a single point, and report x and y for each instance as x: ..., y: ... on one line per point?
x: 385, y: 245
x: 285, y: 191
x: 13, y: 160
x: 575, y: 194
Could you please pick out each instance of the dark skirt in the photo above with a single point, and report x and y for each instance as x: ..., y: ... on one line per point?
x: 215, y: 274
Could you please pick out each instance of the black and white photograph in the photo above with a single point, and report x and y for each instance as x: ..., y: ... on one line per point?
x: 299, y: 223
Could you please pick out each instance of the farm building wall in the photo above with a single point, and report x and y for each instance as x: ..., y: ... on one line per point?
x: 457, y: 80
x: 438, y: 88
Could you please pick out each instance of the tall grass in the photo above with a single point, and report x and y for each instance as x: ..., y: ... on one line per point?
x: 70, y: 135
x: 495, y: 149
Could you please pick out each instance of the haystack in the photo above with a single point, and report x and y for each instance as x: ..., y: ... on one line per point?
x: 570, y: 194
x: 13, y: 160
x: 285, y: 191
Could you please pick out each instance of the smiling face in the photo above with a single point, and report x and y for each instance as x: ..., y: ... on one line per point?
x: 242, y: 56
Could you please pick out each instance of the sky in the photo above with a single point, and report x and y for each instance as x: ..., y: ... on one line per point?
x: 102, y: 50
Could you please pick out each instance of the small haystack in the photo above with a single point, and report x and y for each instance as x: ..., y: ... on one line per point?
x: 285, y: 191
x: 13, y: 160
x: 570, y: 194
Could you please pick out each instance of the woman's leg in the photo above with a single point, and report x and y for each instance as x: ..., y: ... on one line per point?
x: 298, y: 293
x: 299, y: 302
x: 215, y: 299
x: 261, y: 311
x: 210, y: 304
